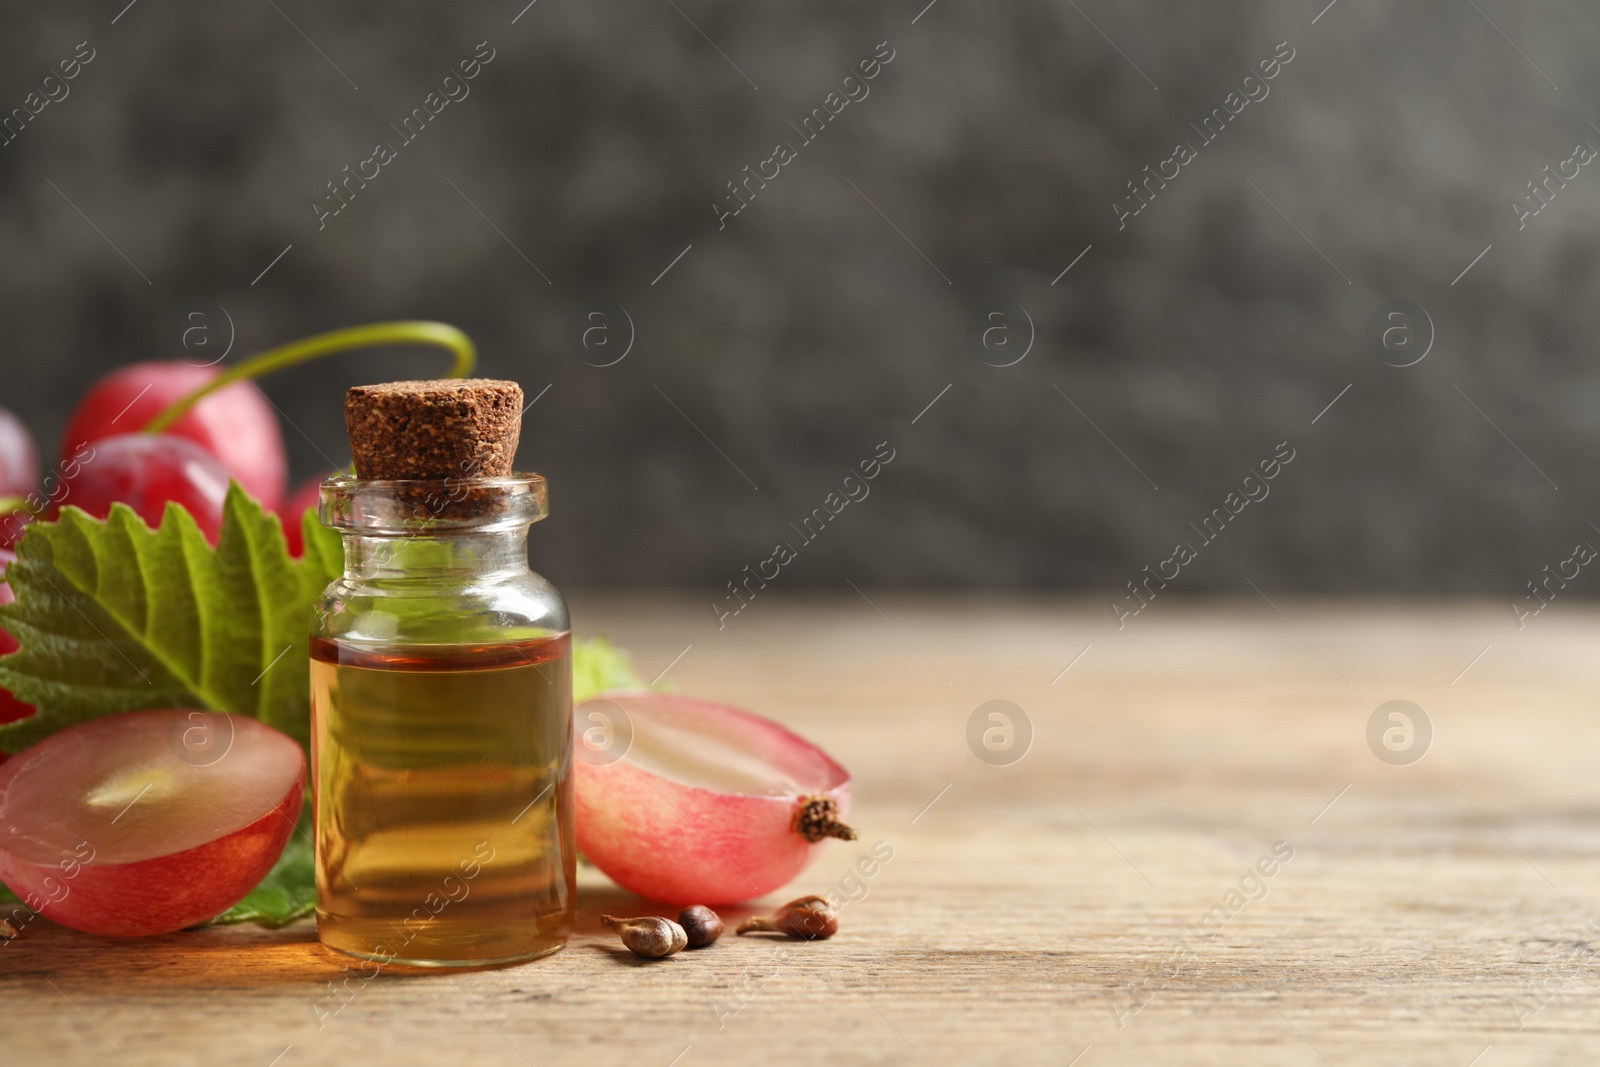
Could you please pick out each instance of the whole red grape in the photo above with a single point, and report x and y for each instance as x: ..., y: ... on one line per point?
x: 236, y: 424
x: 294, y: 508
x: 145, y: 471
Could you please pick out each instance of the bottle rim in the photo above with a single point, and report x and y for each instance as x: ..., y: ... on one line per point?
x: 410, y: 507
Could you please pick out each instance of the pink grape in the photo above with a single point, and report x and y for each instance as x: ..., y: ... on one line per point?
x: 19, y: 460
x: 147, y: 822
x: 145, y: 471
x: 19, y: 473
x: 236, y: 424
x: 702, y: 805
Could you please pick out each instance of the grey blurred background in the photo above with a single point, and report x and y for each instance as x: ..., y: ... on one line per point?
x: 1174, y: 355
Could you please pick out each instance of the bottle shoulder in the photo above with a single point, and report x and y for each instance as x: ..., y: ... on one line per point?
x: 403, y: 610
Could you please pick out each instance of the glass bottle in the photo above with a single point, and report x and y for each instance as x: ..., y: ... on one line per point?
x: 441, y: 704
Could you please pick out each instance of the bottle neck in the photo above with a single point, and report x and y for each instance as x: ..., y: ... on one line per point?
x: 457, y: 556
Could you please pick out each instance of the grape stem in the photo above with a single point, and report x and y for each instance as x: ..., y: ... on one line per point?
x: 371, y: 335
x: 818, y: 817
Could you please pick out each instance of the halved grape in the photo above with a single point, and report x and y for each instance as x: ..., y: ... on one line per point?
x: 705, y: 803
x: 236, y: 424
x: 144, y: 471
x: 147, y: 822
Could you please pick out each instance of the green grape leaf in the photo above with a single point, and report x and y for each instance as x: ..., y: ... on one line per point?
x: 598, y: 665
x: 112, y: 616
x: 289, y: 890
x: 324, y: 546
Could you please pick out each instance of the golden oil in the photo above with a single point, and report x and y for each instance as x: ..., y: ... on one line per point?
x: 444, y: 808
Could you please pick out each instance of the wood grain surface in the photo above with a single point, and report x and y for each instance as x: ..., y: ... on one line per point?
x: 1092, y: 902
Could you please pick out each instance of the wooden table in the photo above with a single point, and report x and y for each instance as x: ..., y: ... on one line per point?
x: 1075, y: 903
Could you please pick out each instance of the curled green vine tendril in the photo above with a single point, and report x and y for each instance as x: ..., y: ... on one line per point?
x: 371, y: 335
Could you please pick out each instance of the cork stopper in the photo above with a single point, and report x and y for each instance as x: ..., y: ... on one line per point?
x: 449, y: 428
